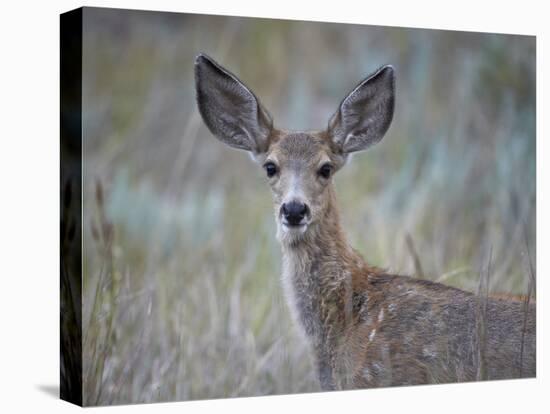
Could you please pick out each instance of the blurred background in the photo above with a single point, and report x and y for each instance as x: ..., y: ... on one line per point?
x: 181, y: 296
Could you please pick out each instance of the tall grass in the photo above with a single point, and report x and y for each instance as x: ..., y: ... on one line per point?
x: 181, y: 267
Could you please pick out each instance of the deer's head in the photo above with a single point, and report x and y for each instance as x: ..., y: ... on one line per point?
x: 299, y: 165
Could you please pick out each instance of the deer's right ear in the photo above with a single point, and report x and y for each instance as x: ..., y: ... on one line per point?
x: 229, y: 109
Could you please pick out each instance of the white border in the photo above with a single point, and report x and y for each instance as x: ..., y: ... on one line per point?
x: 29, y: 189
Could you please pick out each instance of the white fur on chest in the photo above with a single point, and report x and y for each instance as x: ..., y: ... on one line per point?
x: 294, y: 269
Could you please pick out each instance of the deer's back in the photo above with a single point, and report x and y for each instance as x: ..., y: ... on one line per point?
x: 411, y: 331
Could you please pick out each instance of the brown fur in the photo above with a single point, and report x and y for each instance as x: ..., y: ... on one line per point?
x: 369, y: 328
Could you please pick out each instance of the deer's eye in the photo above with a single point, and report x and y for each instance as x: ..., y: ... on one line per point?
x: 270, y: 168
x: 325, y: 170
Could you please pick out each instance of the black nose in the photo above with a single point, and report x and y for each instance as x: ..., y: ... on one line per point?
x: 294, y: 212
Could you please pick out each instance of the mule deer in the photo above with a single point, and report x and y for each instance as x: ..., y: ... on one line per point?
x: 366, y: 327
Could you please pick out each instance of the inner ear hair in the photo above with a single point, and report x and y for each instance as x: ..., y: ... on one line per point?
x: 229, y: 108
x: 365, y: 115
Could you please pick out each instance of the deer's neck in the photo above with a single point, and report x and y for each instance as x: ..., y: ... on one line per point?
x: 318, y: 274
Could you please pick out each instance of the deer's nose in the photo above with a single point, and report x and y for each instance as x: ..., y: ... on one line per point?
x: 294, y: 212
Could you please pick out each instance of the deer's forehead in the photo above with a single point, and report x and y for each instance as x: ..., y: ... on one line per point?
x: 300, y: 148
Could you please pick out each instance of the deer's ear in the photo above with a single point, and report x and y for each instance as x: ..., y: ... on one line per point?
x: 229, y: 109
x: 365, y: 114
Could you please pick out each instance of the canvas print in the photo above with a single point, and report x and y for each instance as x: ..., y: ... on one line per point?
x: 258, y: 206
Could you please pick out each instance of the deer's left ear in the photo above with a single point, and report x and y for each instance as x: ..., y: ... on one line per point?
x: 365, y: 114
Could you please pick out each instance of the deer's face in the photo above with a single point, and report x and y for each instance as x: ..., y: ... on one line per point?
x: 299, y: 165
x: 299, y: 169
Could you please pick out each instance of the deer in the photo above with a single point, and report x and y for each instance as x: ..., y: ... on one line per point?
x: 364, y: 326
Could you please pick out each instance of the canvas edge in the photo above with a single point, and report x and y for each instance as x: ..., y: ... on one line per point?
x: 71, y: 389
